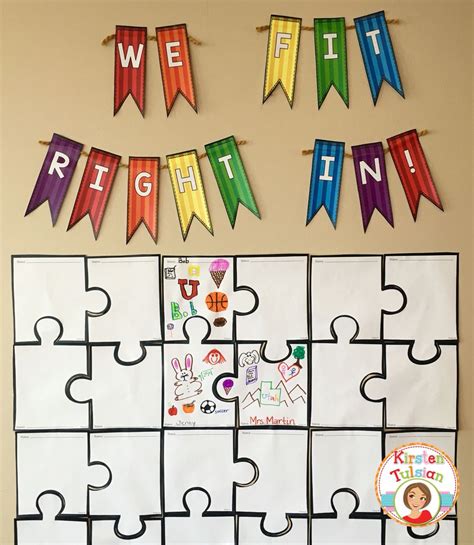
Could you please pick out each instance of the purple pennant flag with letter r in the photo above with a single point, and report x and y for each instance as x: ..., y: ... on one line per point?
x: 372, y: 182
x: 55, y: 175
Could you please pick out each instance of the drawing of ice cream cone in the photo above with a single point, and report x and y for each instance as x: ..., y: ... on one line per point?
x: 218, y: 268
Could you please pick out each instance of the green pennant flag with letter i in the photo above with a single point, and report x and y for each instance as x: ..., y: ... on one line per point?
x: 331, y: 57
x: 231, y: 178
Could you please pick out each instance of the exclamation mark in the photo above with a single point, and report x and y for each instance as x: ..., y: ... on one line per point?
x: 409, y: 161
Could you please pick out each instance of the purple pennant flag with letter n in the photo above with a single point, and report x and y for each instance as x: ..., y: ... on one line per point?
x: 55, y: 175
x: 372, y: 182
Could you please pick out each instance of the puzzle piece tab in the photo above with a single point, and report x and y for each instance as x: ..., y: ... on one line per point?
x: 104, y: 532
x: 250, y: 532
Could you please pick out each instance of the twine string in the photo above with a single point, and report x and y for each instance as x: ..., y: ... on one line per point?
x: 111, y: 38
x: 264, y: 28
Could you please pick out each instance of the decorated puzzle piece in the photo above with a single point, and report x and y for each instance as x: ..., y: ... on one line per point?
x: 54, y: 287
x: 104, y: 532
x: 190, y: 370
x: 48, y: 528
x: 133, y: 286
x: 199, y: 525
x: 443, y: 533
x: 204, y: 459
x: 121, y: 395
x: 280, y: 283
x: 338, y: 368
x: 350, y: 286
x: 42, y: 370
x: 429, y: 315
x: 133, y: 459
x: 269, y: 393
x: 345, y: 530
x: 280, y: 491
x: 416, y: 395
x: 58, y: 462
x: 250, y: 532
x: 345, y: 460
x: 202, y: 286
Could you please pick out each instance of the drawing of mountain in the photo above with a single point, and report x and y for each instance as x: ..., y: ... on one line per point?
x: 296, y: 394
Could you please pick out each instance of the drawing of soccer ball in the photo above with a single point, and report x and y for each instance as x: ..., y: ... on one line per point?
x: 208, y: 406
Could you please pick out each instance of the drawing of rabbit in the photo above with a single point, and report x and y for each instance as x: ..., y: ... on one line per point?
x: 186, y: 384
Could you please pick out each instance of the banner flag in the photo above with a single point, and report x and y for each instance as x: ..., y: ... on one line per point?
x: 94, y: 191
x: 175, y: 64
x: 413, y: 170
x: 142, y: 201
x: 377, y: 53
x: 55, y: 175
x: 188, y: 190
x: 372, y: 182
x: 231, y: 177
x: 331, y: 57
x: 282, y: 56
x: 130, y: 64
x: 326, y: 175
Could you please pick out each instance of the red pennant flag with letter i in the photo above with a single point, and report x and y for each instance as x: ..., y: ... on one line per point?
x: 94, y: 191
x: 411, y: 165
x: 175, y: 64
x: 130, y: 60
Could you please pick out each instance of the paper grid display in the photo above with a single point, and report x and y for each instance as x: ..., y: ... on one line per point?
x: 220, y: 400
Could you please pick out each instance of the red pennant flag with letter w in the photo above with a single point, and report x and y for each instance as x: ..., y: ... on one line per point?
x: 94, y: 191
x: 175, y: 64
x: 130, y: 60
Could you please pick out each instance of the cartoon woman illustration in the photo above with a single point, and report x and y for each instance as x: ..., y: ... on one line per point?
x: 415, y: 497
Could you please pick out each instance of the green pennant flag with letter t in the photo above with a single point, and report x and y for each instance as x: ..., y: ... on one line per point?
x: 231, y: 178
x: 331, y: 57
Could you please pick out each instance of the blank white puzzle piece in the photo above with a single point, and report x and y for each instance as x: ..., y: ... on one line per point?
x: 133, y: 286
x: 134, y: 461
x: 42, y: 370
x: 417, y: 395
x: 351, y: 286
x: 122, y: 395
x: 281, y: 286
x: 444, y: 534
x: 55, y: 287
x: 269, y: 393
x: 338, y: 369
x: 281, y: 488
x: 104, y: 533
x: 250, y: 532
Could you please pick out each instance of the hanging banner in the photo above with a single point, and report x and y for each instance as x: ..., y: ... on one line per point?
x: 130, y: 63
x: 142, y: 201
x: 372, y: 182
x: 175, y: 64
x: 188, y: 190
x: 331, y: 57
x: 94, y: 191
x: 231, y: 177
x: 377, y: 53
x: 55, y: 175
x: 413, y: 170
x: 282, y: 56
x: 326, y: 174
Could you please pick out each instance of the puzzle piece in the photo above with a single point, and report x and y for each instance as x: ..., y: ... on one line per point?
x: 281, y: 488
x: 344, y: 529
x: 280, y: 283
x: 133, y: 286
x: 351, y: 286
x: 204, y: 459
x: 121, y: 395
x: 104, y: 533
x: 416, y: 395
x: 202, y: 286
x: 345, y: 459
x: 199, y: 525
x: 429, y: 316
x: 443, y: 533
x: 48, y: 528
x: 339, y: 366
x: 133, y: 459
x: 42, y: 370
x: 54, y: 287
x: 57, y: 462
x: 268, y: 393
x: 250, y: 532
